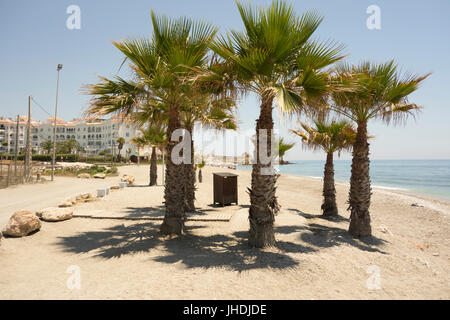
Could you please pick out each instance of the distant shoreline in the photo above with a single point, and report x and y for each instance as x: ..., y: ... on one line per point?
x: 429, y: 178
x: 425, y: 200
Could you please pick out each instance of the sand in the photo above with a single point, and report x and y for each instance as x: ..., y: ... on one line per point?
x: 408, y: 256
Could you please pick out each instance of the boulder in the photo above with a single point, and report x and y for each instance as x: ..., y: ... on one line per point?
x: 99, y: 176
x: 55, y: 214
x: 22, y: 223
x: 115, y: 188
x: 127, y: 178
x: 84, y: 176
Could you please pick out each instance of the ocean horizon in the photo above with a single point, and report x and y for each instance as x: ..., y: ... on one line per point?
x: 420, y: 177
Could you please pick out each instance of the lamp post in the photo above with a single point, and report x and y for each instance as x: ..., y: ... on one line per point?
x: 54, y: 123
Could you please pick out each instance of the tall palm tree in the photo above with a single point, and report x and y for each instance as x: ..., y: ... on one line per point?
x: 283, y: 147
x: 120, y: 143
x: 152, y: 118
x: 331, y: 137
x: 275, y: 58
x: 155, y: 135
x: 212, y: 106
x: 140, y: 143
x: 210, y: 113
x: 161, y: 65
x: 380, y: 92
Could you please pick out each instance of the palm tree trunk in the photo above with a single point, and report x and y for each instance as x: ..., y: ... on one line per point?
x: 329, y: 207
x: 174, y: 190
x: 189, y: 175
x: 360, y: 192
x: 153, y: 167
x: 263, y: 201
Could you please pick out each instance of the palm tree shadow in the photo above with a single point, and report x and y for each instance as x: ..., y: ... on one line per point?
x: 337, y: 218
x: 114, y: 241
x: 144, y: 212
x: 322, y: 236
x: 192, y: 250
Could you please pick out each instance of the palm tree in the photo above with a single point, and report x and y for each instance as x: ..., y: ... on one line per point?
x: 47, y: 146
x: 283, y: 148
x: 161, y: 65
x: 275, y: 58
x: 140, y: 143
x: 156, y: 137
x: 213, y: 113
x: 212, y: 107
x: 380, y: 92
x: 152, y: 118
x: 331, y: 137
x: 120, y: 143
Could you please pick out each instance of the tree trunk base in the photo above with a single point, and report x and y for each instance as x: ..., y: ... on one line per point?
x: 189, y: 207
x: 172, y: 226
x: 329, y: 209
x: 360, y: 225
x: 261, y: 235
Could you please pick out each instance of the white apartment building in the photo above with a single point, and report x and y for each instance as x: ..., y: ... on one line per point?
x: 8, y: 128
x: 94, y: 136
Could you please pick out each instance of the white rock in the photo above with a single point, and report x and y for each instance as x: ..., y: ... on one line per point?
x: 55, y: 214
x: 99, y: 176
x: 101, y: 192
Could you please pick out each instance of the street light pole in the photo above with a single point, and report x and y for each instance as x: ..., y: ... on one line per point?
x: 54, y: 124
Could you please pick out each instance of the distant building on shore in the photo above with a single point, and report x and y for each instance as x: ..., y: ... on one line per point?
x: 94, y: 136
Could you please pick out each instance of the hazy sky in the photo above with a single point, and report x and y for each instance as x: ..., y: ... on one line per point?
x: 35, y: 39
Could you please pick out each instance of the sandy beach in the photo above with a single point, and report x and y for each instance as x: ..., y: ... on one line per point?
x: 315, y: 258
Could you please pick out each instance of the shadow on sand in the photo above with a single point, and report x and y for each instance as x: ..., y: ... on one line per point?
x: 216, y: 250
x: 325, y: 236
x: 193, y: 251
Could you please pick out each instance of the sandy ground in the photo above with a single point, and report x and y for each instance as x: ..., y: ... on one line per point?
x: 408, y: 256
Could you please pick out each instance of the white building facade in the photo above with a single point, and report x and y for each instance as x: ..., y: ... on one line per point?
x: 8, y: 128
x: 94, y: 136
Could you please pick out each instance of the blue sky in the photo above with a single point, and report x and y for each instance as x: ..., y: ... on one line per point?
x: 414, y: 33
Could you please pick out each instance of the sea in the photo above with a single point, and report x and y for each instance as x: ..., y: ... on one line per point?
x: 421, y: 177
